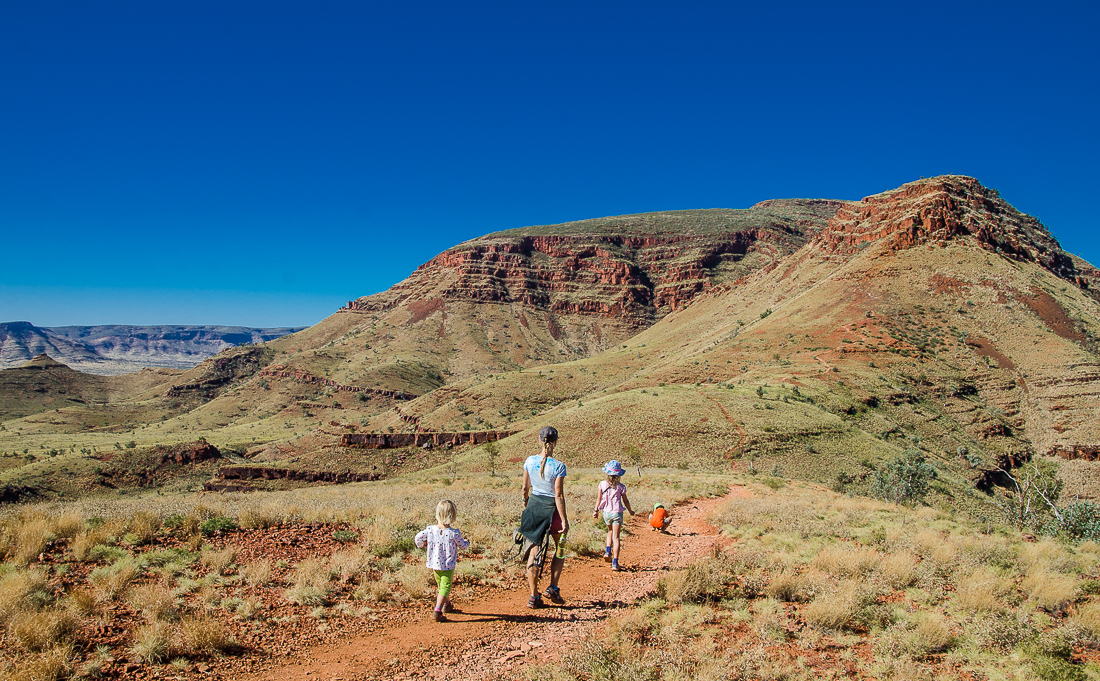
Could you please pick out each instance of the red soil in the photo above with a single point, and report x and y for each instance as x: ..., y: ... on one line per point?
x: 495, y: 635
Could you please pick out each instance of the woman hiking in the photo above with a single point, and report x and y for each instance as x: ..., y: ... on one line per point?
x: 544, y: 512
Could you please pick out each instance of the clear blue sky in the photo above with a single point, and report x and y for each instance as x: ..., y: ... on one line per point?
x: 263, y: 163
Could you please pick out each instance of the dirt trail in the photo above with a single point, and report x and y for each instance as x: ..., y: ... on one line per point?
x: 495, y: 637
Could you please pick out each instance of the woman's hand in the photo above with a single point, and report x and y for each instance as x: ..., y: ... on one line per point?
x: 594, y: 513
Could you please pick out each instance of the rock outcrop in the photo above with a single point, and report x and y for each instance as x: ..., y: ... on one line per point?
x: 190, y: 452
x: 280, y: 371
x: 390, y: 440
x: 209, y: 378
x: 947, y: 208
x: 245, y: 473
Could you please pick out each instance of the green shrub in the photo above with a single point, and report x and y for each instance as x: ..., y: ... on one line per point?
x: 218, y: 523
x: 905, y: 479
x: 1080, y: 521
x: 345, y: 536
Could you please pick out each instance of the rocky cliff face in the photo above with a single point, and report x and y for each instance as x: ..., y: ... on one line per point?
x: 633, y: 268
x: 947, y: 208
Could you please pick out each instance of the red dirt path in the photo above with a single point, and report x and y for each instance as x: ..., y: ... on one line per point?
x: 496, y: 636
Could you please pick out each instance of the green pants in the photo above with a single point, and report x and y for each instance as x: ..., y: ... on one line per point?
x: 443, y: 579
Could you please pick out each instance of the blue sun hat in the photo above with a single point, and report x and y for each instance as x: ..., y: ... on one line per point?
x: 613, y: 467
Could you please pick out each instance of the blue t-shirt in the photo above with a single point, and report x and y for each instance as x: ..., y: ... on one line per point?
x: 543, y: 485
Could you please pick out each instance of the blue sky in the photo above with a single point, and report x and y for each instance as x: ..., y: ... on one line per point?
x: 262, y: 163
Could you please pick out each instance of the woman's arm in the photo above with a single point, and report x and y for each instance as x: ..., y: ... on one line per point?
x: 559, y: 501
x: 526, y: 486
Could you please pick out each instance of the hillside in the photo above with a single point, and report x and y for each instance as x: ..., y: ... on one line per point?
x: 818, y: 338
x: 118, y: 349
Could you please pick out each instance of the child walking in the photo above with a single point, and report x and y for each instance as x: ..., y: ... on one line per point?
x: 443, y: 542
x: 612, y: 500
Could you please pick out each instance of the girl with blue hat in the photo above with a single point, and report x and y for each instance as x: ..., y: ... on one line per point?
x: 612, y: 500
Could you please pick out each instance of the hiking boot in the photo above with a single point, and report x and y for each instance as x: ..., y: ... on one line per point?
x: 448, y: 607
x: 554, y: 594
x: 437, y: 616
x: 535, y: 602
x: 615, y: 566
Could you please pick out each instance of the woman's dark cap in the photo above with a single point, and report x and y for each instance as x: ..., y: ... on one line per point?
x: 549, y: 434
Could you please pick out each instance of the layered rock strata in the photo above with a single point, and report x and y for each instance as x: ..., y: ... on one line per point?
x: 280, y: 371
x: 634, y: 268
x: 391, y: 440
x: 944, y: 209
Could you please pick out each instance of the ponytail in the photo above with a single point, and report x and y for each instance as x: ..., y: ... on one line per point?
x: 548, y: 436
x: 546, y: 449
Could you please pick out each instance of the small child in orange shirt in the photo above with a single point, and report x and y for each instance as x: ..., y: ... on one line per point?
x: 660, y: 518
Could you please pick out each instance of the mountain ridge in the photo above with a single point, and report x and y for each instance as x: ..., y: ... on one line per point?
x: 114, y: 349
x: 837, y: 336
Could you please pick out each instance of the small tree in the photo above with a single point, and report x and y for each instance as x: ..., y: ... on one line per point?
x: 492, y: 452
x: 634, y: 456
x: 1037, y: 489
x: 905, y: 479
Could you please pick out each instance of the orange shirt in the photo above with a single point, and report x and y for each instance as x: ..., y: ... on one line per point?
x: 658, y: 519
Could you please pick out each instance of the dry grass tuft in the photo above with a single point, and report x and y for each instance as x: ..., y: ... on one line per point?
x: 981, y: 590
x: 81, y: 602
x: 310, y: 583
x: 1051, y: 556
x: 415, y: 580
x: 154, y: 601
x: 52, y: 665
x: 258, y: 573
x: 350, y: 564
x: 203, y: 637
x: 259, y: 518
x: 789, y: 586
x: 143, y: 527
x: 836, y: 610
x: 111, y: 580
x: 21, y: 592
x: 375, y: 591
x: 931, y: 635
x: 221, y: 561
x: 30, y: 539
x: 898, y: 570
x: 248, y: 608
x: 68, y: 526
x: 40, y: 631
x: 1050, y: 591
x: 84, y: 542
x: 1086, y: 621
x: 770, y: 618
x: 916, y: 640
x: 846, y: 560
x: 935, y: 547
x: 151, y: 643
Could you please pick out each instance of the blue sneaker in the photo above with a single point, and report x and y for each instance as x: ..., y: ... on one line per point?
x: 607, y: 554
x: 615, y: 566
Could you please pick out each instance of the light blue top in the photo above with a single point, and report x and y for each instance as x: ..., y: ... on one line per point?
x: 543, y: 485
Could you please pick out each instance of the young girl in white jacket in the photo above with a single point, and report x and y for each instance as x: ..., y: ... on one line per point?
x: 443, y: 542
